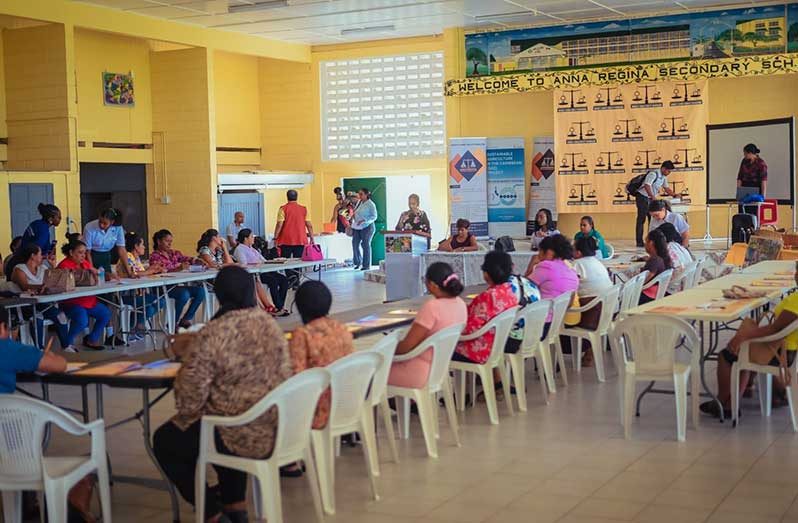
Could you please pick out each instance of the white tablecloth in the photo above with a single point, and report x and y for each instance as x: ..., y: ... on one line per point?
x: 336, y: 246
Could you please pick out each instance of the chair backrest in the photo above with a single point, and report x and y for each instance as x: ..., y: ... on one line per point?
x: 443, y: 344
x: 386, y: 348
x: 22, y: 424
x: 701, y: 263
x: 559, y: 307
x: 610, y: 250
x: 684, y: 279
x: 350, y: 378
x: 630, y: 294
x: 501, y: 325
x: 651, y: 342
x: 608, y: 301
x: 534, y: 316
x: 662, y: 279
x: 296, y: 400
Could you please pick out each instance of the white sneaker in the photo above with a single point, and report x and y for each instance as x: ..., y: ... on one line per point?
x: 70, y: 348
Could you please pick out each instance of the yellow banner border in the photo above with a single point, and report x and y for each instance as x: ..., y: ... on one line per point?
x: 735, y: 67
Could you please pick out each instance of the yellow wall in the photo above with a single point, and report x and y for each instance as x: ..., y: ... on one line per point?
x: 96, y: 53
x: 3, y: 125
x: 237, y: 98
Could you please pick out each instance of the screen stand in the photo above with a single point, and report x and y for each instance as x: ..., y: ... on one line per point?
x: 707, y: 235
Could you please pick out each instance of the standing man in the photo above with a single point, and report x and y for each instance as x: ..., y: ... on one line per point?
x: 293, y: 228
x: 652, y: 184
x: 234, y: 228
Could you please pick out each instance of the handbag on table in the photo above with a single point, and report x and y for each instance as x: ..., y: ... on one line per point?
x: 85, y: 278
x: 57, y: 281
x: 312, y: 252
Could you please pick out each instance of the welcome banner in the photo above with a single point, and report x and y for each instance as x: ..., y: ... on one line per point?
x: 690, y: 70
x: 468, y: 184
x: 604, y: 136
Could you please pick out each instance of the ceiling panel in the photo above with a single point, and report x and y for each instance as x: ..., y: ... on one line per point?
x: 321, y: 21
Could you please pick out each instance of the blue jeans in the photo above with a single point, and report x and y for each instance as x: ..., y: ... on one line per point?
x: 362, y: 238
x: 79, y: 320
x: 148, y: 301
x: 182, y: 295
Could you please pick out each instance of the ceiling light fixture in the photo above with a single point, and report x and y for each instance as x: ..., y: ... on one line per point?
x: 372, y: 29
x: 506, y: 15
x: 258, y: 6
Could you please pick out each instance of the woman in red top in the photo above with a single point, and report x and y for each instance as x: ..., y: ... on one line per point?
x: 79, y: 310
x: 496, y: 269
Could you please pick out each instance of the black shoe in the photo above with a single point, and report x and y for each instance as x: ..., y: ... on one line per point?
x: 236, y: 516
x: 286, y: 471
x: 711, y: 408
x: 355, y: 267
x: 365, y: 268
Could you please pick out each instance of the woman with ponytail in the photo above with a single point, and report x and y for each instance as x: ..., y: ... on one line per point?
x: 445, y: 309
x: 38, y: 231
x: 659, y: 260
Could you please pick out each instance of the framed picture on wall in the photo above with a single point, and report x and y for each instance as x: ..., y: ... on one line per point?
x: 118, y: 89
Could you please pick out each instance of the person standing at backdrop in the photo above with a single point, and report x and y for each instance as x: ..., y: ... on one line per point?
x: 363, y: 230
x: 753, y: 170
x: 293, y: 228
x: 234, y: 228
x: 104, y: 235
x: 653, y: 183
x: 414, y: 219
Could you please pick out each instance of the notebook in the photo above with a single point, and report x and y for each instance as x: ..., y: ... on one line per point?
x: 114, y: 368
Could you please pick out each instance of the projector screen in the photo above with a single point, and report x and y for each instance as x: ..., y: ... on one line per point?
x: 775, y: 139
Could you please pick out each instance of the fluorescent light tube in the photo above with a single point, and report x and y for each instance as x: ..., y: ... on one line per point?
x: 259, y: 6
x: 358, y: 30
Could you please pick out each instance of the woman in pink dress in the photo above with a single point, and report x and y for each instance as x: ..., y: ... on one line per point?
x: 444, y: 310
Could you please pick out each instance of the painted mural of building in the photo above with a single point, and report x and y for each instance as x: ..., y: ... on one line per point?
x: 539, y: 56
x: 771, y: 32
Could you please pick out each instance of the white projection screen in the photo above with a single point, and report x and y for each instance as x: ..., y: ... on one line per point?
x: 775, y: 139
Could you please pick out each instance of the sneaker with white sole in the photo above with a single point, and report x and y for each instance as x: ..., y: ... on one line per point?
x: 71, y: 348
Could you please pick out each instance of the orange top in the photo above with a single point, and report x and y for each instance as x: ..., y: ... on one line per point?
x: 293, y: 217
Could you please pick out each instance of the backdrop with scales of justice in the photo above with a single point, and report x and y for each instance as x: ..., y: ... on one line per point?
x: 606, y: 135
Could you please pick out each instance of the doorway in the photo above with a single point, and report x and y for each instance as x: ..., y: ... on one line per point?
x: 118, y: 185
x: 248, y: 202
x: 379, y: 197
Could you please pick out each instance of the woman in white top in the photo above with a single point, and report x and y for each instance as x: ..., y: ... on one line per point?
x: 29, y: 277
x: 680, y: 256
x: 544, y: 227
x: 594, y: 279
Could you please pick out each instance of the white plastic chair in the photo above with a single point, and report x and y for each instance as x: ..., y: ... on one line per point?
x: 22, y: 467
x: 350, y: 378
x: 765, y: 380
x: 662, y: 279
x: 295, y: 400
x: 699, y: 270
x: 501, y: 325
x: 595, y: 337
x: 442, y: 345
x: 559, y: 308
x: 685, y: 279
x: 651, y: 341
x: 534, y: 316
x: 610, y: 251
x: 378, y: 395
x: 630, y: 293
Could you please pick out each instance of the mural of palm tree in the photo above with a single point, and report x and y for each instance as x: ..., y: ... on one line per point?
x: 476, y: 56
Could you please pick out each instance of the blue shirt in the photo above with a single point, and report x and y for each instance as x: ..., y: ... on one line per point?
x: 38, y: 232
x: 365, y: 215
x: 16, y: 357
x: 103, y: 240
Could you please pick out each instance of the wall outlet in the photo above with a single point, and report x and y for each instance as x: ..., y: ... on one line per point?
x: 166, y: 200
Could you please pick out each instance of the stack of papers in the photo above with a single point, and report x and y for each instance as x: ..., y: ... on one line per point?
x: 372, y: 322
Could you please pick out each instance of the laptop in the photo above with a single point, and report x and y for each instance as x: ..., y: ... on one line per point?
x: 742, y: 192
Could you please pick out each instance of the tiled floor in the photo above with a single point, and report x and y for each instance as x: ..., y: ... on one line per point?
x: 565, y: 462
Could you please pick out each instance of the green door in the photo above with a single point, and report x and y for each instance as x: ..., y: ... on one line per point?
x: 378, y: 196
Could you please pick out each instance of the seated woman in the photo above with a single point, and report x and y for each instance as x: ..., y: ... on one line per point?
x: 463, y: 241
x: 212, y: 250
x: 659, y: 260
x: 445, y: 309
x: 319, y: 341
x: 28, y: 275
x: 594, y: 280
x: 588, y: 230
x: 246, y: 254
x: 786, y: 312
x: 232, y: 363
x: 680, y: 256
x: 173, y: 260
x: 10, y: 261
x: 660, y: 213
x: 133, y: 267
x: 496, y: 270
x: 551, y: 270
x: 543, y: 227
x: 79, y: 310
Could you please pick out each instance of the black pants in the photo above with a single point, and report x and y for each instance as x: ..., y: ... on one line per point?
x: 278, y: 287
x: 642, y: 215
x: 292, y: 251
x: 177, y: 451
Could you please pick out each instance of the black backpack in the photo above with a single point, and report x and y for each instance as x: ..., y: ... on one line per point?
x: 742, y: 228
x: 504, y: 244
x: 635, y: 184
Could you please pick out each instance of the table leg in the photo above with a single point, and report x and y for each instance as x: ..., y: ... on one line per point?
x: 705, y: 357
x: 84, y: 393
x: 145, y: 424
x: 640, y: 397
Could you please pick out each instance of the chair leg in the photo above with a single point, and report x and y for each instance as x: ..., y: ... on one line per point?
x: 460, y: 377
x: 488, y: 388
x: 403, y: 416
x: 104, y: 486
x: 765, y: 385
x: 12, y: 506
x: 576, y: 353
x: 792, y: 406
x: 544, y: 358
x: 505, y: 376
x: 269, y: 481
x: 561, y: 361
x: 388, y: 422
x: 473, y: 376
x: 544, y: 382
x: 735, y: 393
x: 680, y: 392
x: 435, y: 410
x: 199, y: 490
x: 370, y: 453
x: 312, y: 474
x: 517, y: 372
x: 257, y: 498
x: 55, y: 497
x: 597, y: 346
x: 448, y: 399
x: 323, y: 451
x: 423, y: 402
x: 695, y: 393
x: 628, y: 405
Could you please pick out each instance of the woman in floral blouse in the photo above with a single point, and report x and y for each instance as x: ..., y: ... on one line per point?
x: 414, y: 219
x: 499, y: 296
x: 173, y: 260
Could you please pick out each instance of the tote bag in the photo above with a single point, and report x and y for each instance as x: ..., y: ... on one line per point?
x: 312, y: 252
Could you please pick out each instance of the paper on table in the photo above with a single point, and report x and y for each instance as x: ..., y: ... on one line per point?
x: 405, y: 312
x: 109, y: 369
x: 771, y: 283
x: 370, y: 322
x: 163, y: 370
x: 665, y: 309
x: 72, y: 366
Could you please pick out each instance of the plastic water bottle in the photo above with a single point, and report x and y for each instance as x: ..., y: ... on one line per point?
x: 100, y: 275
x: 491, y: 243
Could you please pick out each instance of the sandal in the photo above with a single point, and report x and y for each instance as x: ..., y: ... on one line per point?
x: 710, y: 408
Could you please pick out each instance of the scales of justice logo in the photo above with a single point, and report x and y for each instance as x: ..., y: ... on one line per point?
x: 621, y: 197
x: 584, y: 136
x: 569, y: 164
x: 585, y: 196
x: 468, y: 166
x: 572, y: 101
x: 627, y: 130
x: 669, y: 130
x: 683, y: 95
x: 649, y: 97
x: 613, y: 165
x: 686, y: 159
x: 607, y: 101
x: 651, y: 162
